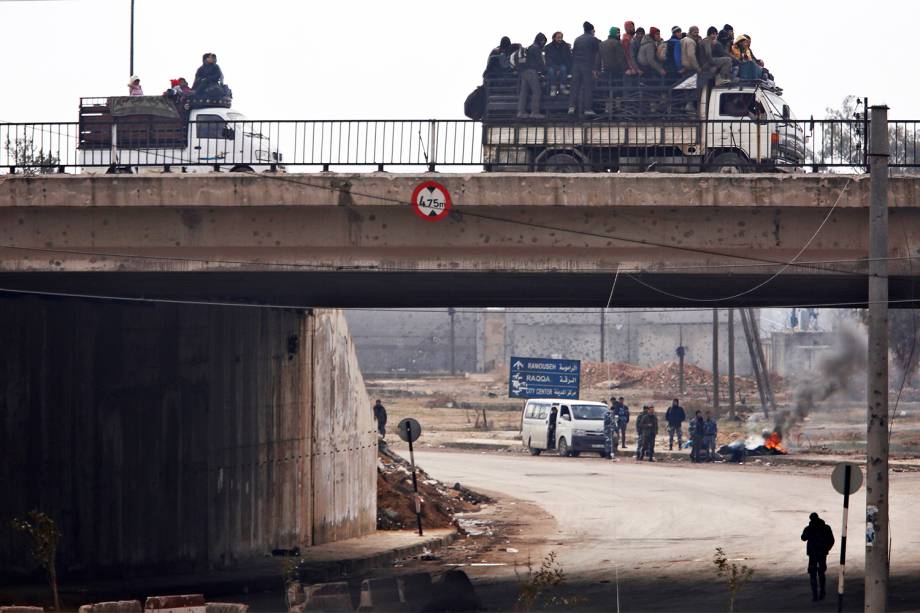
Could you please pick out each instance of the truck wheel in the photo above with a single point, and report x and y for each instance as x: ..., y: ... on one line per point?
x: 532, y: 450
x: 560, y: 162
x: 575, y: 454
x: 242, y: 169
x: 728, y: 163
x: 564, y: 450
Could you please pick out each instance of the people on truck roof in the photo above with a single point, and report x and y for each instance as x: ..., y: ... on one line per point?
x: 612, y: 57
x: 558, y: 60
x: 634, y: 46
x: 584, y: 71
x: 209, y: 79
x: 712, y: 61
x: 629, y: 29
x: 673, y: 63
x: 499, y: 63
x: 530, y: 65
x: 648, y: 52
x: 134, y: 86
x: 689, y: 52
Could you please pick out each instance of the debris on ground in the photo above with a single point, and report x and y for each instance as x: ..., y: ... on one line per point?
x: 664, y: 377
x: 396, y: 498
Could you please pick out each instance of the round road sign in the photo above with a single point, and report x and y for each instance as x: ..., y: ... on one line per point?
x: 838, y: 477
x: 431, y: 201
x: 409, y: 429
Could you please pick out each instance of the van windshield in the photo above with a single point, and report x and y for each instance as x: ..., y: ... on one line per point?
x: 588, y: 411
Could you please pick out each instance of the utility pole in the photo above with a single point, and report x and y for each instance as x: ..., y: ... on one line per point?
x: 603, y: 335
x: 731, y: 363
x: 877, y: 414
x: 131, y: 71
x: 715, y: 362
x: 453, y: 342
x: 681, y: 352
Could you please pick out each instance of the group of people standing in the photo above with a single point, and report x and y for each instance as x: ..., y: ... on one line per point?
x: 702, y: 430
x: 634, y: 53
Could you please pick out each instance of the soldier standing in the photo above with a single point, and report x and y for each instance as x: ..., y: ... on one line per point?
x: 622, y: 420
x: 648, y: 432
x: 711, y: 429
x: 675, y: 416
x: 611, y: 433
x: 380, y: 414
x: 640, y: 423
x: 697, y: 432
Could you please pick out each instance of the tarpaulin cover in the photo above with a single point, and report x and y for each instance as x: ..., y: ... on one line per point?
x: 158, y: 106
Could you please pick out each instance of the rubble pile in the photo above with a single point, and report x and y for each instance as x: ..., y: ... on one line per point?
x: 664, y: 377
x: 396, y: 502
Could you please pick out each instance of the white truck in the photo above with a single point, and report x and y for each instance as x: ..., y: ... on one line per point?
x: 673, y: 127
x: 159, y: 134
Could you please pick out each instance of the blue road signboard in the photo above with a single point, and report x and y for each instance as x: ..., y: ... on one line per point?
x: 544, y: 378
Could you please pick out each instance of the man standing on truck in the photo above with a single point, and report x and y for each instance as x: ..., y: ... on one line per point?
x: 688, y: 52
x: 530, y: 65
x: 673, y: 62
x: 612, y: 56
x: 632, y: 69
x: 648, y: 53
x: 584, y: 71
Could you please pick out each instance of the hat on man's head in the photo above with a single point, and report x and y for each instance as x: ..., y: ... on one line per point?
x: 653, y: 30
x: 675, y: 30
x: 588, y: 26
x: 614, y: 31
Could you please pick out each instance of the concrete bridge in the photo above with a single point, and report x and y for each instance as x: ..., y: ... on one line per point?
x: 349, y: 240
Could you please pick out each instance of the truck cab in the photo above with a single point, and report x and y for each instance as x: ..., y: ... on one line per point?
x: 640, y: 126
x: 156, y: 134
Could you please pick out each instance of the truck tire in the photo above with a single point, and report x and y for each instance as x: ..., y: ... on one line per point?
x: 729, y: 163
x: 564, y: 451
x: 242, y: 168
x: 532, y: 450
x: 560, y: 162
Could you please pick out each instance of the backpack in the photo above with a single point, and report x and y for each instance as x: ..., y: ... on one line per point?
x: 475, y: 105
x: 518, y: 57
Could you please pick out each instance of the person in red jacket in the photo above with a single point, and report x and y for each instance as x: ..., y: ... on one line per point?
x: 630, y: 31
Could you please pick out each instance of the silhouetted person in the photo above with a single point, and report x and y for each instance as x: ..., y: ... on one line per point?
x: 380, y: 414
x: 819, y: 540
x: 209, y: 79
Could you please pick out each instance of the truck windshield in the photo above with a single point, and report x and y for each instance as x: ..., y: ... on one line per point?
x: 588, y: 411
x: 776, y: 105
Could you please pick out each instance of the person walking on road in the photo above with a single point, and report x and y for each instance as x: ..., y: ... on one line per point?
x: 697, y: 432
x: 675, y: 416
x: 380, y: 414
x: 611, y: 433
x: 622, y: 420
x: 819, y: 539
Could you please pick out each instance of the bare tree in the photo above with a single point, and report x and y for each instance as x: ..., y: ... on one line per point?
x: 23, y: 154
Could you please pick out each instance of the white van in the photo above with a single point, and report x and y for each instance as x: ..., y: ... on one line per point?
x: 569, y: 426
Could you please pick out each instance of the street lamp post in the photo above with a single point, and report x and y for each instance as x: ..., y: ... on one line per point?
x: 131, y: 69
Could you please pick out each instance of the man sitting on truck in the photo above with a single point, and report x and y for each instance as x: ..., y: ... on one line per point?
x: 558, y: 61
x: 498, y: 64
x: 612, y: 56
x: 712, y: 63
x: 584, y: 71
x: 209, y: 79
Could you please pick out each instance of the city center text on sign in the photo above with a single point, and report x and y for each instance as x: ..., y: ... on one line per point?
x: 543, y: 378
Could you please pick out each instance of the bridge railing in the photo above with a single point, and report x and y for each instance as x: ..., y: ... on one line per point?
x: 525, y: 145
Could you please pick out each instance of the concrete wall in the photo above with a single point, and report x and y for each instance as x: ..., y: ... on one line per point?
x: 179, y: 437
x: 404, y: 341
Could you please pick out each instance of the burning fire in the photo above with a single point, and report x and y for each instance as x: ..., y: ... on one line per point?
x: 774, y: 442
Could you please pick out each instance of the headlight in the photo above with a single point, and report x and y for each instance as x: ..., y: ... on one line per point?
x: 579, y: 432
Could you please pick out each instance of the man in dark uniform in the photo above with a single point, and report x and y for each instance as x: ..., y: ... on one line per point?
x: 675, y: 416
x: 622, y: 420
x: 819, y: 540
x: 585, y: 64
x: 611, y: 433
x: 697, y: 435
x: 647, y: 425
x: 380, y: 414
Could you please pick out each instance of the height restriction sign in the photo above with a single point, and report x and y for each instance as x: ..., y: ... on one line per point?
x: 431, y: 201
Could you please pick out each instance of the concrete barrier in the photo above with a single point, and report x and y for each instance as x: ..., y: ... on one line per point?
x: 415, y: 590
x: 118, y: 606
x: 181, y: 603
x: 380, y: 595
x: 226, y: 607
x: 15, y: 608
x: 329, y: 597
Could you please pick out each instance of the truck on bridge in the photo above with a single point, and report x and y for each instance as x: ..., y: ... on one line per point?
x: 127, y: 134
x: 652, y: 124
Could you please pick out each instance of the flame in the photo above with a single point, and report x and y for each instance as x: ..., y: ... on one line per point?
x: 775, y: 442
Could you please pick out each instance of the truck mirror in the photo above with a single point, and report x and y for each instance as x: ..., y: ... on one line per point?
x: 786, y: 112
x: 811, y: 124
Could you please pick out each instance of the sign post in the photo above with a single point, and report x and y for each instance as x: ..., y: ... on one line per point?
x: 409, y: 430
x: 846, y: 479
x: 544, y: 378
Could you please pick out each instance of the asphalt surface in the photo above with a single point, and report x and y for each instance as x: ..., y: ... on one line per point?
x: 642, y: 523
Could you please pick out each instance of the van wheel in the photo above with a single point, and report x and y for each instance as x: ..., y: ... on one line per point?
x: 242, y: 169
x: 560, y: 162
x: 574, y: 454
x: 729, y: 163
x: 564, y: 450
x: 532, y: 450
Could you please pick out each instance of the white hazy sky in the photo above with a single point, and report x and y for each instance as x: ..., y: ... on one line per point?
x: 289, y: 59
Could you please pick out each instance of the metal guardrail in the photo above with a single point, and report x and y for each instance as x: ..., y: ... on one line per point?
x: 523, y: 145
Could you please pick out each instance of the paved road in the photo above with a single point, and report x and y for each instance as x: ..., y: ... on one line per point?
x: 671, y: 517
